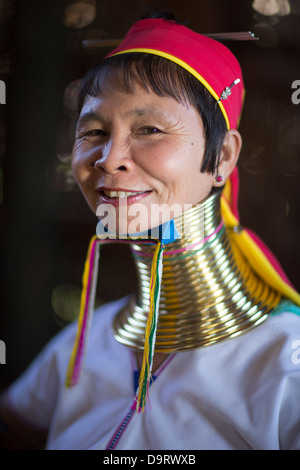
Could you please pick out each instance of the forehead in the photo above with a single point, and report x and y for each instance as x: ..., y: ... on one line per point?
x: 139, y: 104
x: 112, y: 91
x: 151, y: 73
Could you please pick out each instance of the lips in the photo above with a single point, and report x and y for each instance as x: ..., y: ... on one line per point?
x: 121, y: 194
x: 117, y: 196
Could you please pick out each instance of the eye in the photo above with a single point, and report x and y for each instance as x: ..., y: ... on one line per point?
x: 150, y: 130
x: 95, y: 133
x: 92, y: 133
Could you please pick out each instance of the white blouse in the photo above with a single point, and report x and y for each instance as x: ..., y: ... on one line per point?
x: 243, y: 393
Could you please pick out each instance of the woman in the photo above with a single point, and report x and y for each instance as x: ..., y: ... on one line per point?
x: 205, y: 355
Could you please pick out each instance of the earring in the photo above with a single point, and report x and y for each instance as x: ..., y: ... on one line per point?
x: 219, y: 179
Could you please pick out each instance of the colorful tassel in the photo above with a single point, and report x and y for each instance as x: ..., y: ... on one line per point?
x: 145, y: 379
x: 88, y: 294
x: 89, y: 280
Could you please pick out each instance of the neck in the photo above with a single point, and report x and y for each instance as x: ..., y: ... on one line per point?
x: 209, y: 292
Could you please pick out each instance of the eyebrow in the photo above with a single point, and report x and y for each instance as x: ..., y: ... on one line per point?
x: 95, y: 116
x: 88, y: 117
x: 147, y: 110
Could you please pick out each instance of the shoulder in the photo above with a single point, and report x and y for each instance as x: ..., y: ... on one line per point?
x: 100, y: 323
x: 55, y: 355
x: 256, y: 374
x: 35, y: 393
x: 271, y: 345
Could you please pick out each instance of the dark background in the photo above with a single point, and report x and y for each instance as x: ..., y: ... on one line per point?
x: 46, y: 225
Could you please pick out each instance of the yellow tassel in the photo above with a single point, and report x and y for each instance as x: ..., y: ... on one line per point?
x: 86, y: 306
x: 256, y: 257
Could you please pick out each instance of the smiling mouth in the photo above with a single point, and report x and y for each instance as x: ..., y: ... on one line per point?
x: 121, y: 194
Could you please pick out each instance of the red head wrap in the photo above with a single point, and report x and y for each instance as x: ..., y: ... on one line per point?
x: 208, y: 60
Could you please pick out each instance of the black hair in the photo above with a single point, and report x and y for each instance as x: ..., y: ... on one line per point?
x: 164, y: 78
x: 151, y: 11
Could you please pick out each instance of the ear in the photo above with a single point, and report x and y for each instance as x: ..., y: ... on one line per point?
x: 230, y: 152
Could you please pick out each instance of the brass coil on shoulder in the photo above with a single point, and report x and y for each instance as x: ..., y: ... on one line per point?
x: 209, y: 291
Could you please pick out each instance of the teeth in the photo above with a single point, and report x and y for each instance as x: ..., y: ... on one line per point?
x: 121, y: 193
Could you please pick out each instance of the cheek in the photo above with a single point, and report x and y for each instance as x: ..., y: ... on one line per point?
x: 166, y: 164
x: 81, y: 166
x: 180, y: 173
x: 84, y: 181
x: 168, y: 171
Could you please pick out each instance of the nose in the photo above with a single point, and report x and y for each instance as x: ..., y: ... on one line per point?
x: 115, y: 156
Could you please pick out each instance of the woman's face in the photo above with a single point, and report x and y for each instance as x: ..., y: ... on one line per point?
x: 140, y: 155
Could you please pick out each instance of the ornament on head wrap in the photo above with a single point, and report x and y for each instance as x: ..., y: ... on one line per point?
x: 227, y: 92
